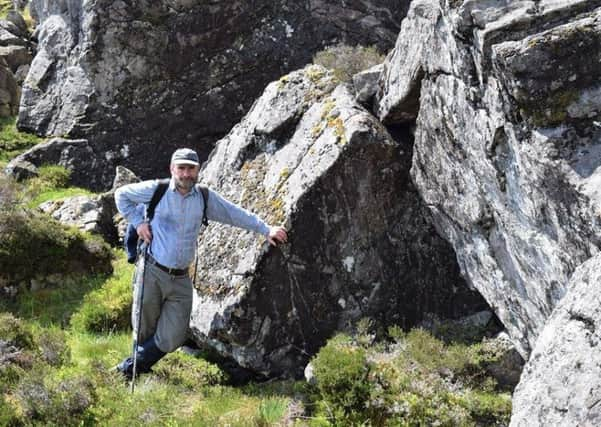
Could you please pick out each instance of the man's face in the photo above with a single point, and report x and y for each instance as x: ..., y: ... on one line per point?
x: 185, y: 176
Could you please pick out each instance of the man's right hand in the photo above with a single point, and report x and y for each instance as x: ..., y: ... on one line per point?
x: 144, y: 232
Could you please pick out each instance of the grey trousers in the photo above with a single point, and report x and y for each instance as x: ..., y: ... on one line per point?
x: 166, y: 308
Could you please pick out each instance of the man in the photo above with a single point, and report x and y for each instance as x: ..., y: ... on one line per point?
x: 172, y: 238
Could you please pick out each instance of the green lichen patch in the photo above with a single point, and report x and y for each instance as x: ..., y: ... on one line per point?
x: 270, y: 205
x: 553, y: 110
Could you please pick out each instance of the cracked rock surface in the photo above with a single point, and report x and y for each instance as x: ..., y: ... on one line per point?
x: 139, y: 78
x: 561, y: 383
x: 507, y: 149
x: 361, y: 243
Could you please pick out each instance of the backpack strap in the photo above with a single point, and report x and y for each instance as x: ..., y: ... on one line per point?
x: 204, y: 192
x: 156, y: 197
x: 160, y: 191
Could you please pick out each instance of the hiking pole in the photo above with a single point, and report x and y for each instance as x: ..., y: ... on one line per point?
x: 138, y: 298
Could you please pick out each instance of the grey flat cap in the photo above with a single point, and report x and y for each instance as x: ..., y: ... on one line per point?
x: 185, y: 156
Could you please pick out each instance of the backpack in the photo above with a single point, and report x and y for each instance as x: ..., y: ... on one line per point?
x: 130, y: 239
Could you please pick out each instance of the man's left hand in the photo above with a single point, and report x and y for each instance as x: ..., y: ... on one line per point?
x: 277, y: 235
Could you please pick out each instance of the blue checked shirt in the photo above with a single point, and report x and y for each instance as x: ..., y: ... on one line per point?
x: 177, y: 219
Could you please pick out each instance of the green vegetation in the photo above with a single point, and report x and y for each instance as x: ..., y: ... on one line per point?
x: 52, y: 183
x: 5, y: 7
x: 107, y: 308
x: 345, y: 61
x: 13, y: 142
x: 59, y: 342
x: 419, y: 381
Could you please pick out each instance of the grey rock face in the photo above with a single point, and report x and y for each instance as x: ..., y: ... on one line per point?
x: 507, y: 142
x: 561, y: 382
x: 138, y: 79
x: 96, y: 214
x: 93, y: 214
x: 308, y: 156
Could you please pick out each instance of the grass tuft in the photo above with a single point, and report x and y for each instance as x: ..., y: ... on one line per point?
x: 108, y: 308
x: 12, y: 141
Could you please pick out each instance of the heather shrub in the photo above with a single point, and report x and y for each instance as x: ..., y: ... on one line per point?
x: 193, y: 373
x: 14, y: 331
x: 346, y: 61
x: 53, y: 347
x: 51, y: 399
x: 418, y: 380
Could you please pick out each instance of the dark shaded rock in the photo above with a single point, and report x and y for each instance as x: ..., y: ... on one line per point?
x: 361, y: 244
x: 8, y: 34
x: 17, y: 20
x: 507, y: 364
x: 74, y: 154
x: 507, y: 150
x: 138, y: 79
x: 561, y: 382
x: 9, y: 91
x: 21, y: 169
x: 15, y: 56
x: 367, y: 83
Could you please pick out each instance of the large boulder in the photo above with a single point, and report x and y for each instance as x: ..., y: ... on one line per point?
x: 360, y: 243
x: 561, y: 383
x: 140, y: 78
x: 76, y: 155
x: 505, y: 100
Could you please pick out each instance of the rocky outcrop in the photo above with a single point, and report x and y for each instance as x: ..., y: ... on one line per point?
x: 137, y: 79
x: 15, y: 52
x: 361, y: 244
x: 506, y: 148
x: 95, y: 214
x: 561, y: 383
x: 76, y: 155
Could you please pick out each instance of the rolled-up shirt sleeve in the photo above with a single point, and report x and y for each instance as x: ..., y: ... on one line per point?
x: 222, y: 210
x: 128, y: 197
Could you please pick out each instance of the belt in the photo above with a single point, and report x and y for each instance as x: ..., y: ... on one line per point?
x: 171, y: 271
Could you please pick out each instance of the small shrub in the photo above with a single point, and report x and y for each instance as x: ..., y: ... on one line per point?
x: 55, y: 400
x: 346, y: 61
x: 8, y: 413
x: 341, y: 372
x: 53, y: 347
x: 193, y: 373
x: 490, y: 409
x: 14, y: 331
x: 28, y: 238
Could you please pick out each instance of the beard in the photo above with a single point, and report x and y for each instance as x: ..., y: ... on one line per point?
x: 185, y: 184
